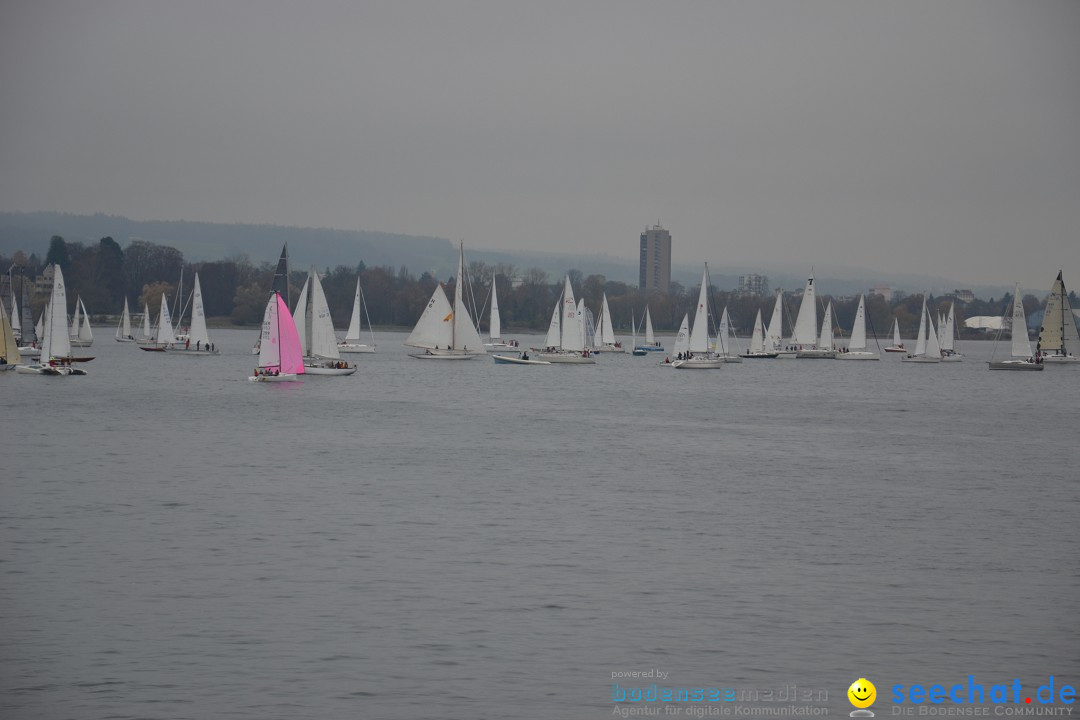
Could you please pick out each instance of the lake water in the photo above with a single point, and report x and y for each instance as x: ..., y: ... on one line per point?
x: 466, y: 540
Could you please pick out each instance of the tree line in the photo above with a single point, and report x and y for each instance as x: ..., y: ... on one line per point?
x: 235, y: 289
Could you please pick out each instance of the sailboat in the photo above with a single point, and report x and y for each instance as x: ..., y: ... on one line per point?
x: 164, y: 338
x: 565, y: 341
x: 315, y: 328
x: 351, y: 343
x: 28, y: 341
x: 123, y: 328
x: 15, y: 320
x: 147, y: 335
x: 1021, y: 359
x: 726, y: 341
x: 9, y: 348
x: 280, y: 285
x: 947, y: 339
x: 698, y: 356
x: 856, y: 349
x: 55, y: 340
x: 927, y: 349
x: 198, y: 339
x: 81, y: 334
x: 280, y: 359
x: 1059, y: 343
x: 651, y: 343
x: 445, y: 332
x: 897, y: 344
x: 604, y: 338
x: 495, y: 342
x: 804, y: 341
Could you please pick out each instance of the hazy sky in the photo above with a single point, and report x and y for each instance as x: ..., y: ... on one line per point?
x: 929, y: 136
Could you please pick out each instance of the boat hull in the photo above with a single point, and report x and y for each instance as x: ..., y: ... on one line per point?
x: 1061, y: 359
x: 698, y: 364
x: 355, y: 349
x: 922, y: 359
x: 182, y: 351
x: 760, y: 355
x: 283, y: 377
x: 569, y: 358
x: 81, y: 343
x: 322, y: 370
x: 124, y: 339
x: 1015, y: 365
x: 511, y: 360
x: 858, y: 355
x: 815, y: 354
x: 55, y: 371
x: 896, y: 349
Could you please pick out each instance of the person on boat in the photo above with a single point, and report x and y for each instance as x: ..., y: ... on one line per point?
x: 187, y: 344
x: 525, y: 355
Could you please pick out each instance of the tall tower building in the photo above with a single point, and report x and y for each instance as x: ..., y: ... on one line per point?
x: 654, y: 272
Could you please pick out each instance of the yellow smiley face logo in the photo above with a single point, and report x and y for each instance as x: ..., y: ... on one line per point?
x: 862, y: 693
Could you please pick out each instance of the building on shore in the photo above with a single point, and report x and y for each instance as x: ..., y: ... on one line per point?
x: 754, y: 284
x: 654, y: 270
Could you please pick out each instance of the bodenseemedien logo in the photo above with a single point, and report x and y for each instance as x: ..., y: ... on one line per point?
x: 862, y: 694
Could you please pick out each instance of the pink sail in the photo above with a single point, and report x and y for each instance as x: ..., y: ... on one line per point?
x: 292, y: 360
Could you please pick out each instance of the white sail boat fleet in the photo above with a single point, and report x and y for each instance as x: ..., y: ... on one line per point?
x: 446, y: 330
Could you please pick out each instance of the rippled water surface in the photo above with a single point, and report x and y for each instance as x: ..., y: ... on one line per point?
x: 465, y: 540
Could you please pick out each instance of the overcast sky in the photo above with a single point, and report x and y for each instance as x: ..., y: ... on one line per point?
x: 931, y: 137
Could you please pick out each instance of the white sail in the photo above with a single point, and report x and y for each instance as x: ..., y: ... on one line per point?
x: 1021, y: 346
x: 650, y: 339
x: 39, y: 329
x: 858, y: 328
x: 466, y: 336
x: 269, y: 340
x: 607, y: 332
x: 825, y: 342
x: 722, y: 347
x: 323, y: 340
x: 554, y: 333
x: 682, y: 340
x: 896, y: 332
x: 85, y: 334
x: 353, y: 334
x: 147, y: 332
x: 585, y: 325
x: 699, y: 332
x: 495, y: 322
x: 197, y: 332
x: 300, y: 315
x: 435, y: 327
x: 1058, y: 333
x: 757, y: 340
x: 165, y: 334
x: 123, y: 330
x: 920, y: 343
x: 948, y: 329
x: 933, y: 347
x: 573, y: 336
x: 16, y: 321
x: 56, y: 329
x: 806, y: 323
x: 774, y: 334
x: 9, y: 349
x: 75, y: 320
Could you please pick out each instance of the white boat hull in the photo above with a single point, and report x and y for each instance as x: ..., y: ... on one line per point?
x: 787, y: 355
x: 1014, y: 365
x: 815, y: 354
x: 511, y: 360
x: 192, y: 351
x: 567, y: 358
x: 857, y: 355
x: 75, y: 342
x: 920, y: 359
x: 54, y: 370
x: 760, y: 355
x: 500, y: 347
x: 952, y: 358
x: 443, y: 355
x: 353, y: 348
x: 695, y: 363
x: 1061, y: 359
x: 896, y: 349
x: 124, y: 339
x: 315, y: 368
x: 282, y: 377
x: 30, y: 352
